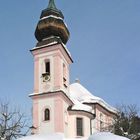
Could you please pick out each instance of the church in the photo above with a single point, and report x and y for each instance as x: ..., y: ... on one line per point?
x: 58, y: 105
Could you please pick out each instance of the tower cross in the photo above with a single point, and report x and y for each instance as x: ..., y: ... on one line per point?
x: 51, y: 4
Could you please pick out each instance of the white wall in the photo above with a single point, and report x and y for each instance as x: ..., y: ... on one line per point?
x: 72, y: 125
x: 46, y: 127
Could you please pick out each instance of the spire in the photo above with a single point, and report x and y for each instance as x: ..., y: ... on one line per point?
x: 51, y: 5
x: 51, y: 10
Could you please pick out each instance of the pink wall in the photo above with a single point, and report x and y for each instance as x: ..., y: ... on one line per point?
x: 50, y: 49
x: 36, y: 75
x: 58, y: 57
x: 57, y: 72
x: 35, y: 114
x: 107, y: 116
x: 58, y: 117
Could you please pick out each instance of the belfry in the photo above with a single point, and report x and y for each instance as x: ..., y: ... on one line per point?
x: 59, y: 106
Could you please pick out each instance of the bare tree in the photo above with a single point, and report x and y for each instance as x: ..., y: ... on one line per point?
x: 127, y: 122
x: 13, y: 123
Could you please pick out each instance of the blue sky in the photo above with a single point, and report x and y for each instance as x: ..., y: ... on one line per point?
x: 104, y: 44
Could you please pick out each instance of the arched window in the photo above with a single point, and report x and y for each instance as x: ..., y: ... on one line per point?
x: 46, y: 114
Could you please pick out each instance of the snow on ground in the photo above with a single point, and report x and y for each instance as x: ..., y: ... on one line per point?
x: 106, y: 136
x: 60, y: 136
x: 56, y: 136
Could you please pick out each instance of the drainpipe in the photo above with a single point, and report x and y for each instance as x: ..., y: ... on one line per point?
x: 94, y: 116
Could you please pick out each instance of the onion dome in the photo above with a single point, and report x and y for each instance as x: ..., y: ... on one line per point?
x: 51, y: 25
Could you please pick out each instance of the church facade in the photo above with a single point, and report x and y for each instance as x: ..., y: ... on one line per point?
x: 59, y: 106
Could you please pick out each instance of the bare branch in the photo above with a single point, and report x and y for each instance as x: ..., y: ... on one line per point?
x: 13, y: 123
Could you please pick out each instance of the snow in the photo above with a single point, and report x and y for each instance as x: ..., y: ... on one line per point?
x: 79, y: 106
x: 52, y: 43
x: 55, y: 136
x: 60, y: 136
x: 78, y: 92
x: 106, y: 136
x: 52, y: 17
x: 66, y: 49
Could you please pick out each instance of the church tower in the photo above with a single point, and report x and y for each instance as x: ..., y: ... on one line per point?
x: 51, y: 73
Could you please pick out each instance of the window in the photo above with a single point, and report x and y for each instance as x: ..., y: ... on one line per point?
x: 79, y: 126
x: 64, y: 76
x: 47, y: 68
x: 46, y: 74
x: 101, y: 126
x: 101, y: 122
x: 46, y: 114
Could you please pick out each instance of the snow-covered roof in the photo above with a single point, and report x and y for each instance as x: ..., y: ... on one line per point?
x: 80, y: 93
x: 79, y: 106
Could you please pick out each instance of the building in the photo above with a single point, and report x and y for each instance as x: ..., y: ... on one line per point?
x: 59, y: 106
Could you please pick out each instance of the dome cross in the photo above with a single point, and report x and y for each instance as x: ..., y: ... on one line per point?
x: 51, y: 4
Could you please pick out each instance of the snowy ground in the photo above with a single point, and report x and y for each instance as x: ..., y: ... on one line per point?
x: 106, y: 136
x: 59, y: 136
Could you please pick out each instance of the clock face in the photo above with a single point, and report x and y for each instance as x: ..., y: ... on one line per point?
x: 46, y: 85
x: 45, y: 77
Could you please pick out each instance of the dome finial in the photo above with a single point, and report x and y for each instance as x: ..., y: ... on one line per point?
x: 51, y: 4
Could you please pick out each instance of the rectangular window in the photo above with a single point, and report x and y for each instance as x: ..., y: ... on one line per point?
x: 101, y: 122
x: 79, y: 125
x: 47, y: 68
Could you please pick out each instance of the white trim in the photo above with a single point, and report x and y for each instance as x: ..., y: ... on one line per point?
x: 51, y: 16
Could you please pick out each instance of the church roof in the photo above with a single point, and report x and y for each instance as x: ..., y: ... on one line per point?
x: 79, y: 106
x: 82, y: 95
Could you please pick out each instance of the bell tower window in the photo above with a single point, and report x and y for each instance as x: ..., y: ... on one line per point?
x: 47, y: 68
x: 46, y: 114
x: 46, y: 74
x: 64, y: 76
